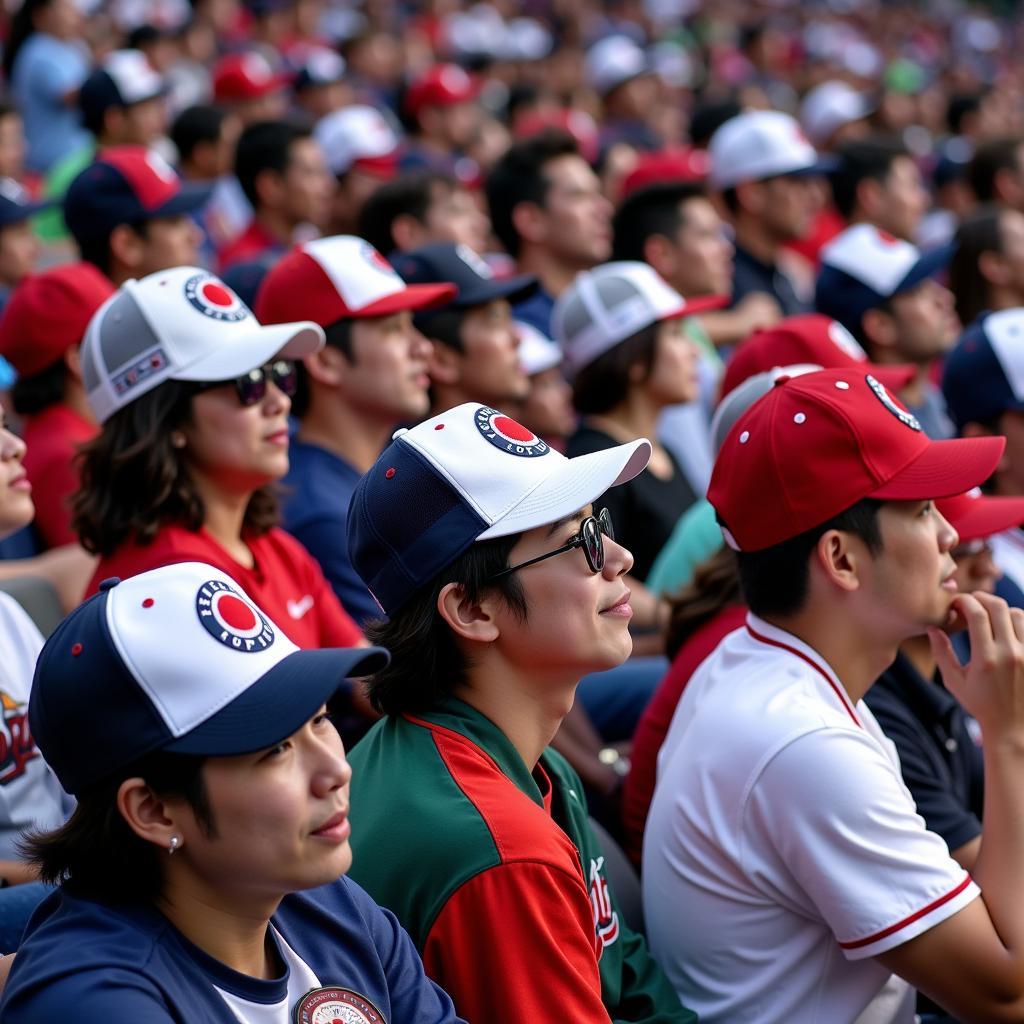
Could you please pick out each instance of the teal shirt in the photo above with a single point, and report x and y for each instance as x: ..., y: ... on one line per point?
x: 696, y: 537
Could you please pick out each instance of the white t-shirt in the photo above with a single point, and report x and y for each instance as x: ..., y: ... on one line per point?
x: 783, y: 851
x: 30, y: 794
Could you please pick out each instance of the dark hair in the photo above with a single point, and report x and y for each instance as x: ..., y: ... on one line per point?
x: 775, y: 581
x: 654, y: 210
x: 427, y: 663
x: 604, y: 383
x: 989, y: 159
x: 96, y: 854
x: 518, y: 177
x: 95, y: 248
x: 862, y: 160
x: 339, y: 336
x: 41, y: 390
x: 133, y: 480
x: 444, y: 326
x: 977, y: 234
x: 715, y: 585
x: 22, y: 26
x: 264, y: 146
x: 408, y: 195
x: 708, y: 116
x: 959, y: 106
x: 195, y: 126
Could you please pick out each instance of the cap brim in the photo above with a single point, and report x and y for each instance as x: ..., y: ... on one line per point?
x: 824, y: 165
x: 413, y: 297
x: 895, y: 378
x: 280, y: 702
x: 189, y: 199
x: 514, y: 289
x: 985, y: 516
x: 927, y: 266
x: 704, y: 304
x: 943, y: 469
x: 580, y: 481
x: 289, y: 341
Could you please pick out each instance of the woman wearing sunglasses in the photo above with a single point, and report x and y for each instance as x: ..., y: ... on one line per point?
x: 192, y: 395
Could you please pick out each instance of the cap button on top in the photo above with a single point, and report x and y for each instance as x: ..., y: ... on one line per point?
x: 110, y: 583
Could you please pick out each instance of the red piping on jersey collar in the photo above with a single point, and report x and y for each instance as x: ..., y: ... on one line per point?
x: 843, y: 698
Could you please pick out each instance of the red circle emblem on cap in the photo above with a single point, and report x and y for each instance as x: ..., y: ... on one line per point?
x: 507, y: 435
x: 236, y: 613
x: 516, y: 431
x: 214, y: 299
x: 217, y: 294
x: 231, y: 619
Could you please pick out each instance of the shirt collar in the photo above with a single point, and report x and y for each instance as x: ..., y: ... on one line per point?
x: 931, y: 701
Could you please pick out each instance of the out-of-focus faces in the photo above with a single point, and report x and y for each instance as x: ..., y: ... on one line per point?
x: 576, y: 216
x: 16, y: 508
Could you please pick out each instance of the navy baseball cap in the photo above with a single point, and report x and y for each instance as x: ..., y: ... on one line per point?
x: 472, y: 473
x: 127, y: 185
x: 862, y: 267
x: 124, y: 79
x: 16, y: 204
x: 177, y: 659
x: 469, y: 272
x: 984, y: 374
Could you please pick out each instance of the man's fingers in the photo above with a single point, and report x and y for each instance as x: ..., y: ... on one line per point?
x: 945, y: 657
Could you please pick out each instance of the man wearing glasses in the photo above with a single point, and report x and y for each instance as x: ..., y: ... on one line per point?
x: 503, y: 586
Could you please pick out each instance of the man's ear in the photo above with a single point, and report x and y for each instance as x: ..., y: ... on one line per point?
x: 661, y: 255
x: 407, y: 232
x: 126, y: 246
x: 147, y: 815
x: 973, y: 429
x: 470, y: 620
x: 879, y: 329
x: 993, y: 267
x: 444, y: 364
x: 838, y: 559
x: 327, y: 366
x: 269, y: 186
x: 530, y: 222
x: 73, y: 361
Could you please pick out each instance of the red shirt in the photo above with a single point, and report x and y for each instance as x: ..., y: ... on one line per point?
x: 53, y: 437
x: 284, y: 581
x: 251, y: 244
x: 653, y: 725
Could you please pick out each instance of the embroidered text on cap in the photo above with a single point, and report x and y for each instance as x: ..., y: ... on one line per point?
x: 886, y: 399
x: 214, y: 299
x: 507, y: 435
x: 231, y: 619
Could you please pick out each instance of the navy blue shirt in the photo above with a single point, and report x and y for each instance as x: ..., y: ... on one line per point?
x: 536, y: 311
x: 318, y: 489
x: 751, y: 275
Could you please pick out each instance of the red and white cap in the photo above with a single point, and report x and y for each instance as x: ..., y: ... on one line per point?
x: 178, y: 324
x: 358, y: 136
x: 246, y: 76
x: 976, y: 516
x: 442, y: 85
x: 817, y: 444
x: 337, y: 278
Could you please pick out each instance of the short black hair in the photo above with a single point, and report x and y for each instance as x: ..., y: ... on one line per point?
x: 41, y: 390
x: 427, y: 663
x: 604, y: 383
x: 443, y: 325
x: 654, y: 210
x: 989, y: 159
x: 862, y: 160
x: 265, y: 146
x: 775, y: 581
x: 339, y: 336
x: 977, y: 234
x: 518, y: 177
x: 197, y: 125
x: 408, y: 195
x: 960, y: 105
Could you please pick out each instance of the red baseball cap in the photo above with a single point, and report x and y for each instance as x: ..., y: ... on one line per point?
x: 338, y: 278
x: 808, y: 338
x: 48, y: 313
x: 578, y: 123
x: 819, y: 443
x: 245, y: 76
x: 976, y: 516
x: 442, y: 85
x: 667, y: 166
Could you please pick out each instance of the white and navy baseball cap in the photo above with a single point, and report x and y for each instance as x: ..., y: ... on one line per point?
x: 607, y: 305
x: 178, y: 324
x: 984, y: 374
x: 358, y: 136
x: 759, y: 144
x: 829, y: 106
x: 472, y: 473
x: 123, y: 79
x: 613, y: 61
x: 177, y: 659
x: 864, y: 266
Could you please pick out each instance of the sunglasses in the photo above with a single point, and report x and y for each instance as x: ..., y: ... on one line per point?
x: 593, y: 530
x: 251, y: 387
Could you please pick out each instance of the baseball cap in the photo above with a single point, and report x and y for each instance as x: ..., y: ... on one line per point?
x: 984, y: 374
x: 123, y: 79
x: 48, y: 313
x: 126, y: 185
x: 476, y: 282
x: 178, y: 324
x: 16, y: 205
x: 614, y: 61
x: 441, y: 85
x: 537, y: 352
x: 321, y: 66
x: 817, y: 444
x: 341, y: 277
x: 471, y: 473
x: 245, y: 76
x: 829, y: 106
x: 358, y: 136
x: 863, y: 266
x: 807, y: 338
x: 976, y: 516
x: 610, y: 303
x: 667, y: 166
x: 761, y: 144
x: 178, y: 659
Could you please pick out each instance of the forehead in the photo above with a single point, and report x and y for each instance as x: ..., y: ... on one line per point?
x: 569, y: 173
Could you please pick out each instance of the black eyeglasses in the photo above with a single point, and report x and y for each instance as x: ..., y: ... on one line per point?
x: 251, y: 387
x: 593, y: 530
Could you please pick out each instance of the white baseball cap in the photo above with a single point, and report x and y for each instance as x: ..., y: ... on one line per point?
x: 761, y: 144
x: 829, y: 106
x: 537, y: 352
x: 178, y: 324
x: 610, y: 303
x: 614, y: 61
x: 357, y: 135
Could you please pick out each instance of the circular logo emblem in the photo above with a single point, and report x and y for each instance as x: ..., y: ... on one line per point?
x: 508, y: 435
x: 232, y: 619
x: 906, y: 418
x: 374, y: 258
x: 336, y: 1006
x: 214, y: 299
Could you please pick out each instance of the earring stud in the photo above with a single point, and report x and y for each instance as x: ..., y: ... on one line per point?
x: 173, y: 845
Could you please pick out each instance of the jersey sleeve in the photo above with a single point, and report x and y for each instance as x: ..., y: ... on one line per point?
x: 516, y: 943
x: 830, y: 812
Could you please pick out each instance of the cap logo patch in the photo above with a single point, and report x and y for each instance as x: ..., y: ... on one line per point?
x: 231, y: 619
x: 214, y: 299
x: 507, y: 435
x: 375, y: 259
x: 336, y: 1006
x: 142, y: 369
x: 906, y: 418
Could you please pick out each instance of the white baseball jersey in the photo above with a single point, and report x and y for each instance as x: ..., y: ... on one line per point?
x: 783, y: 851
